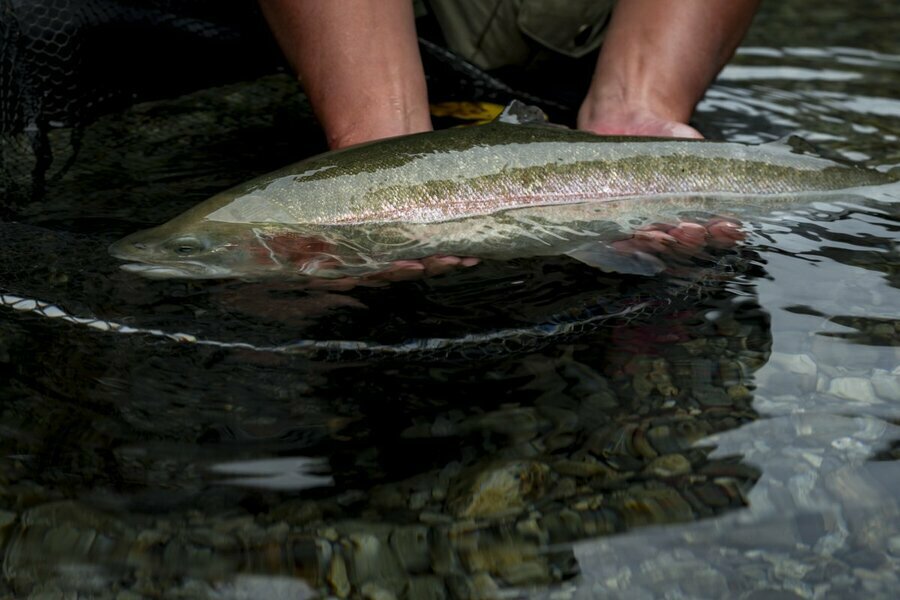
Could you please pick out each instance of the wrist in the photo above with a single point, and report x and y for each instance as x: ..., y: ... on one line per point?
x: 629, y: 95
x: 372, y: 118
x: 626, y: 83
x: 359, y: 63
x: 621, y: 114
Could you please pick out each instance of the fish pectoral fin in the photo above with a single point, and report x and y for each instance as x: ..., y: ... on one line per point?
x: 607, y: 258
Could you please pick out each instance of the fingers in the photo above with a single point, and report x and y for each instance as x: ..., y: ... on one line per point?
x: 437, y: 265
x: 400, y: 270
x: 724, y: 233
x: 630, y: 122
x: 684, y: 239
x: 406, y: 270
x: 680, y: 130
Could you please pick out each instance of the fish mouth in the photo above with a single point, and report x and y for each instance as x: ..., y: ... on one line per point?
x: 180, y: 271
x: 124, y: 250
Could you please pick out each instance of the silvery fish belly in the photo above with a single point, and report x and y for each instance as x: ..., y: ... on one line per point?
x: 513, y: 188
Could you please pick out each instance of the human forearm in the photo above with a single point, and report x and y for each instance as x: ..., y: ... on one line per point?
x: 659, y: 57
x: 359, y: 64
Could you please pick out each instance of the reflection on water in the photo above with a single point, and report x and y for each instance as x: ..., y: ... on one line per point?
x: 396, y: 475
x: 728, y: 435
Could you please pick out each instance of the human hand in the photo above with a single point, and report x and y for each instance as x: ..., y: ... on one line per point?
x: 400, y: 270
x: 637, y: 122
x: 657, y: 60
x: 683, y: 239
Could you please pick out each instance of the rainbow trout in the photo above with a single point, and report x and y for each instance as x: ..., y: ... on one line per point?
x: 515, y: 187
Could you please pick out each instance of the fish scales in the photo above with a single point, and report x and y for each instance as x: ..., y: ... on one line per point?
x: 499, y: 167
x: 495, y: 191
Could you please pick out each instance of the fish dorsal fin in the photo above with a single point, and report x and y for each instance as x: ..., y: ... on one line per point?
x: 795, y: 144
x: 519, y: 113
x: 894, y: 173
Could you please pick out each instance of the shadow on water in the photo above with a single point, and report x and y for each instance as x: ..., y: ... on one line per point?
x: 569, y: 434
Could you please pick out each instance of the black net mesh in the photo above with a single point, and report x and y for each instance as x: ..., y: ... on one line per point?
x: 66, y: 63
x: 63, y: 63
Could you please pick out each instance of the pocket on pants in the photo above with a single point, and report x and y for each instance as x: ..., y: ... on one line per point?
x: 570, y: 27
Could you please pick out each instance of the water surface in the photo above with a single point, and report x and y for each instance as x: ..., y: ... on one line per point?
x: 523, y: 429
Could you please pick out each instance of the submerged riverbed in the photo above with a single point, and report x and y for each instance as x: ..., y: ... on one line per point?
x: 523, y: 429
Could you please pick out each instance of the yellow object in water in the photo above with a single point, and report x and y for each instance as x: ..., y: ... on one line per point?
x: 479, y: 112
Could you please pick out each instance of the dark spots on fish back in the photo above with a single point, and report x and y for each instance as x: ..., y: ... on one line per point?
x: 560, y: 183
x: 394, y: 153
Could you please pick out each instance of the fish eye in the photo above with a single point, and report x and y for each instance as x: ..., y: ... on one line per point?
x: 186, y: 246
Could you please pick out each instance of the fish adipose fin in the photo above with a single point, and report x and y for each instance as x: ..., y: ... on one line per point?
x: 607, y: 258
x: 797, y: 144
x: 519, y: 113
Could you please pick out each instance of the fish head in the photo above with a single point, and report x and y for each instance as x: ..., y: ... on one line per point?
x: 165, y: 253
x: 221, y: 252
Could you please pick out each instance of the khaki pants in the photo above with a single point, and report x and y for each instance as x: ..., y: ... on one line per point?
x: 499, y: 33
